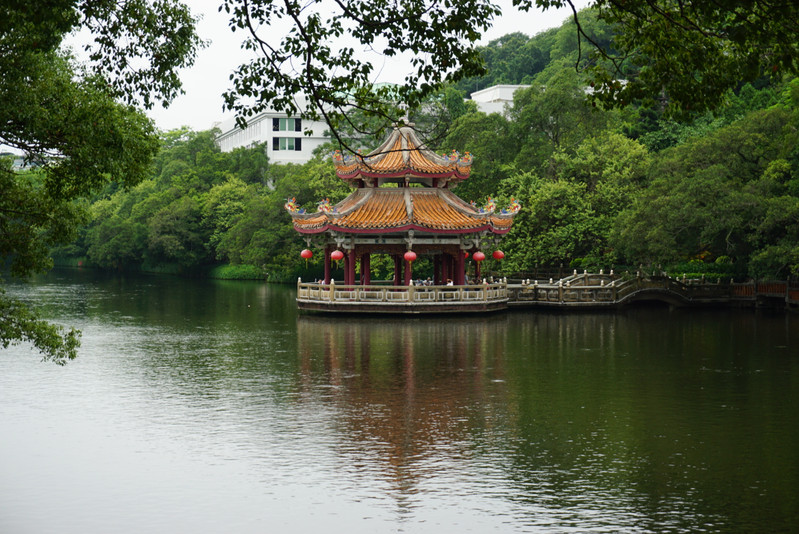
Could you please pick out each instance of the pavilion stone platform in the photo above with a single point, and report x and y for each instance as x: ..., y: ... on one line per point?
x: 402, y: 205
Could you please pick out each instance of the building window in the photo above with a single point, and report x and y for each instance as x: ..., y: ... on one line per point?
x: 286, y: 125
x: 287, y: 143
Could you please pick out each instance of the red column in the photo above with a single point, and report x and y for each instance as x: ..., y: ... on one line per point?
x: 327, y: 265
x: 397, y: 269
x: 408, y: 273
x: 366, y: 275
x: 350, y: 266
x: 460, y: 269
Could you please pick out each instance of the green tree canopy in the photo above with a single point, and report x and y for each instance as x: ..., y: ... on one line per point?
x: 684, y: 55
x: 77, y: 127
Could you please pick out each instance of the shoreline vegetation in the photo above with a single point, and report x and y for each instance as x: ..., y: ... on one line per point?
x: 710, y: 274
x: 216, y: 272
x: 712, y: 194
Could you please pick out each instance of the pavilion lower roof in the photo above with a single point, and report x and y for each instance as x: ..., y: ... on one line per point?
x: 392, y: 210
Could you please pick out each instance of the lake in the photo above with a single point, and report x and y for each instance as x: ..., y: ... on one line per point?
x: 213, y: 406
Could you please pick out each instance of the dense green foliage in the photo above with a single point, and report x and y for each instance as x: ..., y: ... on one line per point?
x: 201, y: 207
x: 682, y: 56
x: 650, y: 181
x: 77, y: 125
x: 714, y: 195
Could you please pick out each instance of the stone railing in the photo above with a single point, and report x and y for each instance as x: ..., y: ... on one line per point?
x: 584, y: 290
x: 381, y: 294
x: 606, y: 290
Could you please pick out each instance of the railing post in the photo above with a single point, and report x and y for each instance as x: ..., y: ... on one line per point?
x: 411, y: 292
x: 332, y: 290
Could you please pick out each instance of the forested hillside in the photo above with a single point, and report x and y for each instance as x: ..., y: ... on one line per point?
x: 710, y: 193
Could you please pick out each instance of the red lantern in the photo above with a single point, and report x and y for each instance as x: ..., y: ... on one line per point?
x: 465, y: 255
x: 336, y: 255
x: 478, y: 256
x: 410, y: 256
x: 498, y: 254
x: 307, y: 254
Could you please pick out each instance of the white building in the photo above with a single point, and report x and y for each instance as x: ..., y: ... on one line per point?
x: 286, y: 141
x: 284, y: 136
x: 494, y: 99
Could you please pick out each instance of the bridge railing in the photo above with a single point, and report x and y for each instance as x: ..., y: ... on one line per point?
x: 564, y: 291
x: 577, y: 289
x: 607, y: 289
x: 377, y: 294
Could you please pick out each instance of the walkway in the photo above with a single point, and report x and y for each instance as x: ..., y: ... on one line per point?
x: 578, y: 291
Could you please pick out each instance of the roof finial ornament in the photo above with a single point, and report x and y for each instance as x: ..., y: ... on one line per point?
x: 405, y: 120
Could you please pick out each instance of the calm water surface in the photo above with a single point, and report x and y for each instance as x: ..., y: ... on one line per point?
x: 209, y: 407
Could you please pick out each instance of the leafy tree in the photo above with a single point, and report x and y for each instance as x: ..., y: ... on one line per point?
x: 557, y: 224
x: 684, y: 55
x: 116, y: 242
x: 689, y: 55
x: 249, y: 163
x: 488, y: 138
x: 76, y: 126
x: 222, y: 207
x: 511, y: 59
x: 552, y: 115
x: 726, y: 194
x: 174, y: 234
x: 569, y: 215
x: 440, y: 35
x: 31, y: 221
x: 609, y: 158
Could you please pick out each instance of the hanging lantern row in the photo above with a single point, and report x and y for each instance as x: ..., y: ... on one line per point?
x: 480, y: 256
x: 409, y: 255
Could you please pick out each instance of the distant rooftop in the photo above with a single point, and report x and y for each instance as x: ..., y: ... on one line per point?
x: 494, y: 99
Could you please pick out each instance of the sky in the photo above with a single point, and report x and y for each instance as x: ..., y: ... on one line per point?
x: 202, y: 105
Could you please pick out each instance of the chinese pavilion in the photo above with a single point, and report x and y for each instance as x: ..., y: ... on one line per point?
x: 403, y: 205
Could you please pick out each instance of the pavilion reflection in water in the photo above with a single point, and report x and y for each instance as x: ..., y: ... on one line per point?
x: 404, y: 392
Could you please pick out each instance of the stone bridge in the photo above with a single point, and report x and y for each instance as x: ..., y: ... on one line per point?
x: 608, y: 291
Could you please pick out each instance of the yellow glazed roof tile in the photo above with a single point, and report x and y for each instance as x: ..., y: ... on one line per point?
x: 402, y: 155
x: 384, y: 210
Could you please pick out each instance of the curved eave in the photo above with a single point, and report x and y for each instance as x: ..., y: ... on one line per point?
x: 402, y: 154
x: 403, y: 228
x: 402, y: 173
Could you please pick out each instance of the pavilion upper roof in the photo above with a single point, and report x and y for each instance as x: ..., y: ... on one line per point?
x: 403, y: 156
x: 393, y: 209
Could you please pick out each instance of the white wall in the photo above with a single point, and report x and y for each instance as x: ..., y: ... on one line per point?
x: 261, y: 129
x: 494, y: 99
